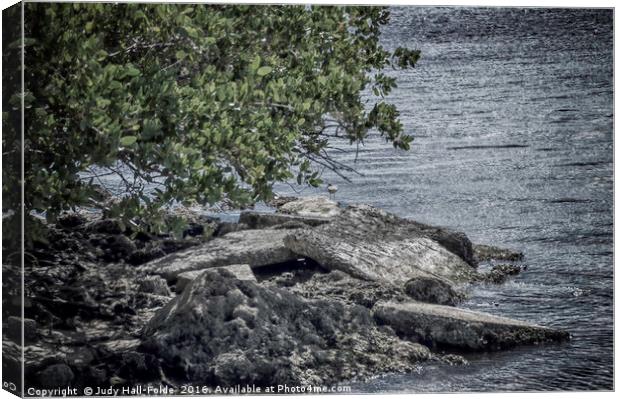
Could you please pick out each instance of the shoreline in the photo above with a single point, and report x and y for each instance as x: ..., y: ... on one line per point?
x: 126, y: 318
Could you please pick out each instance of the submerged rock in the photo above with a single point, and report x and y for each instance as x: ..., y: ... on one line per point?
x: 225, y: 331
x: 371, y: 244
x: 253, y: 247
x: 446, y: 326
x: 311, y: 207
x: 432, y: 290
x: 487, y: 252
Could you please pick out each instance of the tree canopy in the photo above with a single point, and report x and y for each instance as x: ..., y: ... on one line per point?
x: 197, y: 102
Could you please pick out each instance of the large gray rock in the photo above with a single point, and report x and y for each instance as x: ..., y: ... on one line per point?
x: 226, y: 331
x: 446, y: 326
x: 371, y: 244
x: 262, y: 220
x: 242, y: 272
x: 253, y: 247
x: 311, y: 207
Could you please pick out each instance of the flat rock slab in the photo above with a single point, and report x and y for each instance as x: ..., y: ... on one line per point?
x: 253, y: 247
x: 371, y: 244
x: 446, y: 326
x: 262, y: 220
x: 242, y: 272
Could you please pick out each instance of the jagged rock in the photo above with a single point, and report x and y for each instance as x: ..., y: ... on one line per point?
x: 226, y: 331
x: 487, y: 252
x: 446, y: 326
x: 262, y: 220
x: 253, y: 247
x: 242, y: 272
x: 311, y: 207
x: 432, y: 290
x: 500, y: 273
x: 371, y: 244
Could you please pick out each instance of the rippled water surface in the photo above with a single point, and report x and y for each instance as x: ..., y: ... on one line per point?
x: 512, y: 110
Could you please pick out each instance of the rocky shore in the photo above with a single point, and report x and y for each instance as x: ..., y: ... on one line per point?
x: 312, y: 293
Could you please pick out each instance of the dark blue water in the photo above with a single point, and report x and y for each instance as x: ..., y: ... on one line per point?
x: 543, y: 80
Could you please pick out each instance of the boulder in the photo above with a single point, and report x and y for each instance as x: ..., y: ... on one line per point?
x: 432, y: 290
x: 371, y: 244
x: 487, y: 252
x: 253, y: 247
x: 311, y: 207
x: 262, y: 220
x: 449, y: 327
x: 242, y: 272
x: 226, y: 331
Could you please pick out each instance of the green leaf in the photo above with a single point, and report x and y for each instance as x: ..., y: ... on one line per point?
x: 128, y: 141
x: 132, y: 71
x: 262, y: 71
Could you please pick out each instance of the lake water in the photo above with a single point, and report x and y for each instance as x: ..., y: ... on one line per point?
x: 538, y: 85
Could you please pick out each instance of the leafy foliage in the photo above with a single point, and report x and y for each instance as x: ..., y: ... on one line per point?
x: 197, y: 102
